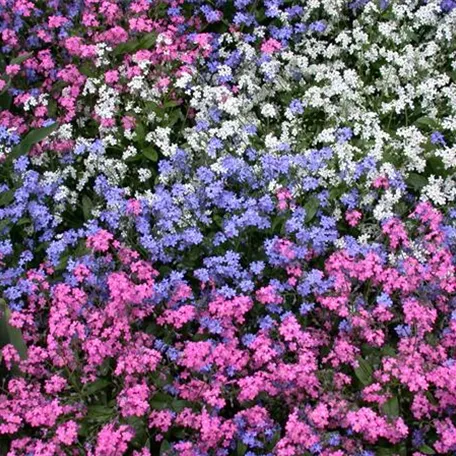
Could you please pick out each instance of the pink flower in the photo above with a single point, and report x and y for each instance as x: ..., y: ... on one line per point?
x: 161, y: 419
x: 111, y: 77
x: 10, y: 356
x: 12, y: 70
x: 67, y: 433
x: 100, y: 242
x: 395, y: 230
x: 381, y: 182
x: 283, y: 195
x: 353, y: 217
x: 134, y: 401
x: 113, y: 440
x: 268, y: 295
x: 270, y: 46
x: 134, y: 206
x: 56, y: 21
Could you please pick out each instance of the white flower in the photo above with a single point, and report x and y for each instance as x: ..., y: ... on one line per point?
x: 268, y: 110
x: 144, y: 174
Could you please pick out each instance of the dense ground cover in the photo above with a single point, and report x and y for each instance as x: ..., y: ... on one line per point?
x: 227, y: 228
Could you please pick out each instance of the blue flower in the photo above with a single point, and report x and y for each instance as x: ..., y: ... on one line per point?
x: 384, y: 300
x: 403, y: 330
x: 438, y: 139
x: 296, y: 106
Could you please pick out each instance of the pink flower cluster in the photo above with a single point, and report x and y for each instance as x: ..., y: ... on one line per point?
x: 64, y: 56
x: 111, y: 357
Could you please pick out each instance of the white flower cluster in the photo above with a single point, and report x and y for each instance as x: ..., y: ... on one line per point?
x: 368, y: 110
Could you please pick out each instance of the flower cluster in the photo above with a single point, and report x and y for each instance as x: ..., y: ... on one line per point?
x: 227, y: 228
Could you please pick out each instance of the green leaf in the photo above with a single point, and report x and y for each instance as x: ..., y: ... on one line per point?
x: 416, y: 181
x: 135, y: 44
x: 94, y: 387
x: 241, y: 448
x: 125, y: 48
x: 277, y: 225
x: 4, y: 223
x: 385, y: 452
x: 87, y: 207
x: 32, y: 137
x: 165, y: 447
x: 150, y: 153
x: 218, y: 221
x: 388, y: 350
x: 63, y: 263
x: 179, y: 405
x: 336, y: 193
x: 364, y: 372
x: 84, y: 428
x: 87, y: 69
x: 139, y: 427
x: 436, y: 166
x: 391, y: 407
x: 151, y: 106
x: 170, y: 104
x: 5, y: 99
x: 431, y: 398
x: 148, y: 40
x: 427, y: 122
x: 4, y: 444
x: 395, y: 450
x: 6, y: 197
x: 13, y: 335
x: 99, y: 412
x: 161, y: 401
x: 140, y: 133
x: 173, y: 117
x: 274, y: 440
x: 134, y: 158
x: 52, y: 107
x: 426, y: 449
x: 21, y: 58
x: 311, y: 208
x: 23, y: 221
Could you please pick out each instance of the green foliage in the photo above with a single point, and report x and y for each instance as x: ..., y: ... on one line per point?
x: 87, y: 207
x: 396, y: 450
x: 426, y: 449
x: 32, y: 137
x: 416, y: 181
x: 10, y: 334
x: 150, y: 153
x: 21, y: 58
x: 364, y: 372
x: 136, y: 44
x: 311, y: 208
x: 391, y: 407
x: 6, y: 197
x: 165, y: 448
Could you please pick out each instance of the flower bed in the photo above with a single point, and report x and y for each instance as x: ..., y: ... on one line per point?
x: 227, y: 228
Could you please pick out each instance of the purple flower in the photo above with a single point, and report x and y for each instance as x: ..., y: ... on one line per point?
x: 266, y: 323
x: 438, y: 138
x: 296, y: 106
x: 242, y: 3
x: 306, y: 307
x: 403, y: 330
x: 318, y: 26
x: 358, y: 4
x: 344, y: 134
x: 334, y: 439
x: 447, y: 6
x: 248, y: 339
